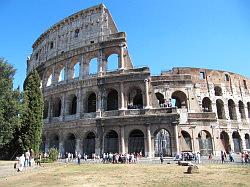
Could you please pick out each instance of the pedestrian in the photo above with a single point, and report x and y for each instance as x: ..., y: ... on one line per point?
x: 79, y: 158
x: 222, y: 157
x: 198, y: 157
x: 242, y: 157
x: 231, y: 158
x: 161, y: 158
x: 39, y: 159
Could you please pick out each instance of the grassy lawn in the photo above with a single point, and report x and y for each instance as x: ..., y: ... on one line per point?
x: 129, y: 175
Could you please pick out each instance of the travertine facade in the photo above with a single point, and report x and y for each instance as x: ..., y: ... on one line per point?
x: 128, y: 110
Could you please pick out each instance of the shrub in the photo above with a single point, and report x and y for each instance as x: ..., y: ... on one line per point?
x: 53, y: 154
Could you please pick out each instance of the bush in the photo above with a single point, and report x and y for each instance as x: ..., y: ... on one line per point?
x: 53, y: 154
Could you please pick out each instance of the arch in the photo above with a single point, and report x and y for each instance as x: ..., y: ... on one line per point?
x: 54, y: 141
x: 93, y: 66
x: 237, y: 142
x: 224, y: 137
x: 242, y: 110
x: 56, y: 107
x: 185, y: 141
x: 161, y: 99
x: 89, y: 144
x: 162, y: 143
x: 70, y: 143
x: 45, y: 109
x: 112, y: 62
x: 91, y: 103
x: 248, y: 109
x: 111, y: 142
x: 76, y: 70
x: 179, y: 99
x: 72, y: 104
x: 217, y: 91
x: 205, y: 142
x: 61, y: 75
x: 135, y: 100
x: 49, y: 80
x: 112, y: 100
x: 206, y: 105
x: 220, y: 109
x: 232, y: 110
x: 136, y: 142
x: 247, y: 141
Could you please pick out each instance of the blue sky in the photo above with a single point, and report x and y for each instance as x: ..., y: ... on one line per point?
x: 161, y: 34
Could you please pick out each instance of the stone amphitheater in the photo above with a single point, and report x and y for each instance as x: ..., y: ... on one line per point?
x: 91, y: 108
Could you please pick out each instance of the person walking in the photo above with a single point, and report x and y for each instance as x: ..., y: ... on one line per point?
x: 222, y: 157
x: 161, y: 158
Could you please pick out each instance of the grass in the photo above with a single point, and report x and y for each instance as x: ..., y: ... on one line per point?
x: 129, y: 175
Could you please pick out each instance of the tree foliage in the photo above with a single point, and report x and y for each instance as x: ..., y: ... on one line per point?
x: 32, y: 114
x: 9, y: 110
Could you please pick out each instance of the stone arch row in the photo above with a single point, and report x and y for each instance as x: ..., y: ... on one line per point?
x: 135, y: 100
x: 236, y: 140
x: 82, y: 67
x: 206, y: 144
x: 180, y: 101
x: 136, y: 142
x: 232, y: 109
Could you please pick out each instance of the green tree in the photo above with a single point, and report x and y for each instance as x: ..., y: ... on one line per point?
x: 32, y: 114
x: 9, y: 110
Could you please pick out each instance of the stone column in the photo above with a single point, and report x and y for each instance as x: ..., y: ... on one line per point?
x: 85, y: 69
x: 67, y: 73
x: 46, y: 150
x: 243, y: 142
x: 61, y: 145
x: 99, y: 104
x: 121, y: 58
x: 53, y: 81
x: 122, y: 142
x: 147, y: 96
x: 79, y: 103
x: 177, y: 139
x: 122, y: 97
x: 149, y: 146
x: 63, y: 106
x: 81, y: 70
x: 79, y: 146
x: 231, y: 140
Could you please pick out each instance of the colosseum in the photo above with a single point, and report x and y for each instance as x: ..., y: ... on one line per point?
x: 91, y: 108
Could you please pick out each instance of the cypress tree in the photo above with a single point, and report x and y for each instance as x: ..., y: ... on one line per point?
x: 32, y: 114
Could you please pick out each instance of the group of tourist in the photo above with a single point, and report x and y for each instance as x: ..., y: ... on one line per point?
x: 120, y: 158
x: 244, y: 157
x: 27, y: 160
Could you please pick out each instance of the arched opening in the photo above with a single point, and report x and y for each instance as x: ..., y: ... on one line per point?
x: 72, y: 104
x: 185, y: 141
x: 217, y: 91
x: 205, y: 143
x: 49, y: 81
x: 54, y: 142
x: 89, y: 144
x: 56, y: 107
x: 70, y: 143
x: 91, y: 103
x: 242, y: 110
x: 61, y: 75
x: 225, y: 141
x: 45, y: 109
x: 93, y: 67
x: 247, y: 141
x: 76, y: 70
x: 161, y: 99
x: 220, y: 109
x: 112, y: 100
x: 111, y: 142
x: 162, y: 143
x: 179, y: 99
x: 232, y: 110
x: 206, y: 105
x: 135, y: 100
x: 136, y: 142
x: 112, y: 64
x: 248, y: 109
x: 237, y: 142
